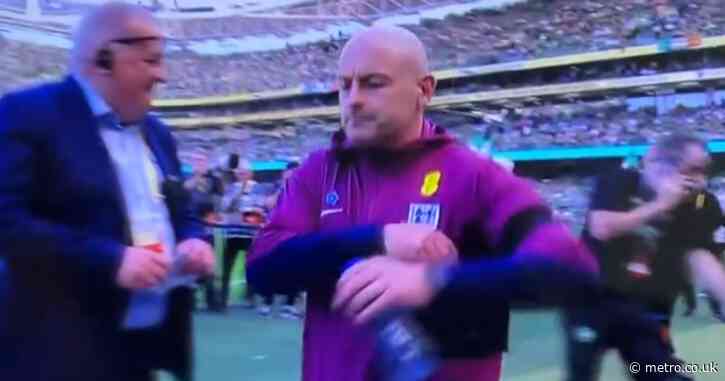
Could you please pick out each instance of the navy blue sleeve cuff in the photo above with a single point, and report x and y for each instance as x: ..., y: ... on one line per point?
x: 526, y: 282
x: 105, y: 260
x: 312, y: 260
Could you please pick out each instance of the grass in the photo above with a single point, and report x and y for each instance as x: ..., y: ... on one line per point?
x: 240, y: 345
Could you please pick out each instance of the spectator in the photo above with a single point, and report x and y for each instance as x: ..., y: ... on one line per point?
x: 205, y: 189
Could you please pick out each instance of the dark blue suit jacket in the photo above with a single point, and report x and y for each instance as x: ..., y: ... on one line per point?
x: 62, y: 231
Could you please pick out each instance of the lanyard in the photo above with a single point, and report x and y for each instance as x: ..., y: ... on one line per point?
x: 151, y: 174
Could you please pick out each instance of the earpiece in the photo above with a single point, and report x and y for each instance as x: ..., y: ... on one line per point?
x: 104, y: 59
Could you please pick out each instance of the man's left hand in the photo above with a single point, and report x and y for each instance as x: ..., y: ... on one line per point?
x: 438, y: 248
x: 198, y: 256
x: 380, y: 283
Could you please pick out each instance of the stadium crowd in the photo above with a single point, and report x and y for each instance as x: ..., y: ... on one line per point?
x: 590, y: 125
x: 606, y: 123
x: 523, y: 31
x: 163, y: 214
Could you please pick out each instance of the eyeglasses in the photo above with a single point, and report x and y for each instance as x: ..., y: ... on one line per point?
x: 136, y: 40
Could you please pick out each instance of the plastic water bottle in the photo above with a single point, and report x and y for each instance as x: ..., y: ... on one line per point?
x: 403, y: 349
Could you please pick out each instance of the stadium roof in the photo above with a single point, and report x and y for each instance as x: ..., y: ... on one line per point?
x: 267, y: 24
x: 360, y: 9
x: 598, y: 88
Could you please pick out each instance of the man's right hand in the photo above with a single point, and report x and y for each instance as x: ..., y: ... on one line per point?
x: 673, y: 190
x: 141, y: 268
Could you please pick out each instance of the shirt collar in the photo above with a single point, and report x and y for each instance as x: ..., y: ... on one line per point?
x: 99, y: 107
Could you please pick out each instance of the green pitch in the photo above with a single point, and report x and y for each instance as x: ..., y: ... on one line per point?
x: 243, y: 346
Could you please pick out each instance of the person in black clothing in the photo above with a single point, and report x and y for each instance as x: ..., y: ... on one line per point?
x: 690, y: 293
x: 239, y: 238
x: 205, y: 189
x: 288, y: 309
x: 716, y: 306
x: 647, y: 229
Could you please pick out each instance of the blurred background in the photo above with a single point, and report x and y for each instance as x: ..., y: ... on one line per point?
x: 557, y: 90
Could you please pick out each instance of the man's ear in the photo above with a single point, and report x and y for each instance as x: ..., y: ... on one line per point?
x: 427, y: 86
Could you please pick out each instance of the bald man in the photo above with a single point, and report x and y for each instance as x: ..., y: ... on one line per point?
x: 96, y: 234
x: 389, y: 165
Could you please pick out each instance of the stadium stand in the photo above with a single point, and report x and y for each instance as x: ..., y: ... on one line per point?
x: 562, y: 88
x: 584, y: 124
x: 520, y: 32
x: 493, y: 37
x: 12, y: 5
x: 513, y: 63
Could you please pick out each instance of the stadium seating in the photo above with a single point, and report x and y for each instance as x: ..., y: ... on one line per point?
x: 524, y: 31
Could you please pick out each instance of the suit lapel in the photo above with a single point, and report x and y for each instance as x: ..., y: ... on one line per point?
x: 86, y: 136
x: 152, y: 140
x: 85, y: 131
